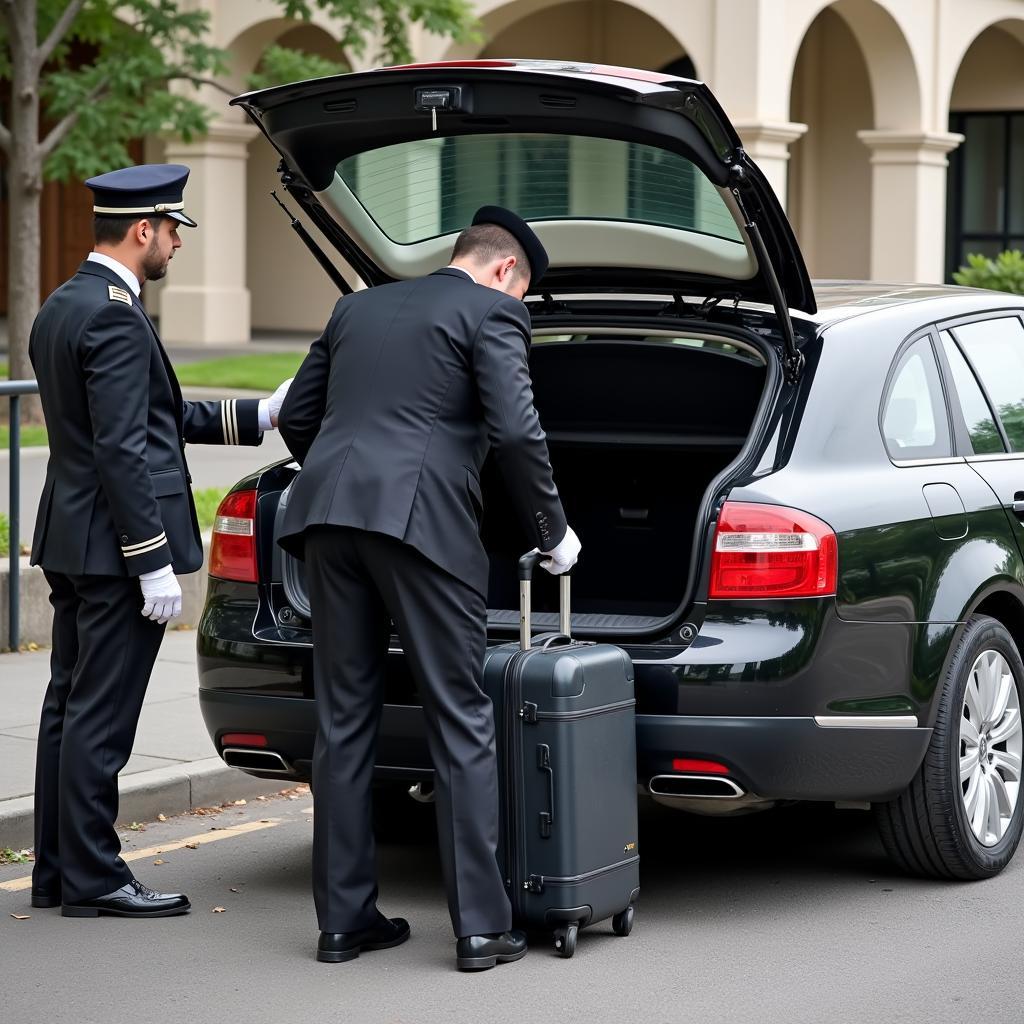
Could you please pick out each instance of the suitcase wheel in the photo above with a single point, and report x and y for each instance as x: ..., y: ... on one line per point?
x: 565, y: 940
x: 622, y: 922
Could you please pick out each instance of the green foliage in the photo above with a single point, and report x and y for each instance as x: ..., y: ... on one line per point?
x: 134, y: 50
x: 389, y: 21
x: 253, y: 373
x: 1003, y: 274
x: 207, y: 499
x: 5, y: 536
x: 32, y: 436
x: 279, y: 65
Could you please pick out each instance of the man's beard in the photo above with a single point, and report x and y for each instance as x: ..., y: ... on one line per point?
x: 154, y: 266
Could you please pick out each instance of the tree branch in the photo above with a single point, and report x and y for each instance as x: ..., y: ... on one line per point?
x: 59, y: 132
x: 58, y: 32
x: 203, y: 81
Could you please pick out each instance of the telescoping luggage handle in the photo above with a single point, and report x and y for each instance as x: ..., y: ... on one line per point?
x: 526, y: 566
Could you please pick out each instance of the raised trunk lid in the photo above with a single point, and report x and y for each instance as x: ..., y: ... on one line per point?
x: 634, y: 181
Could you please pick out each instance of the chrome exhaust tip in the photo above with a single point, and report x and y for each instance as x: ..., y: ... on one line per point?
x: 253, y: 760
x: 706, y: 787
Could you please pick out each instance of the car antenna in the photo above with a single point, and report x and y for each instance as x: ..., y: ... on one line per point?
x: 318, y: 254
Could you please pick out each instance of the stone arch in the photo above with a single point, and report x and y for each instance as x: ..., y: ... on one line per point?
x: 829, y: 172
x: 632, y: 34
x: 985, y: 34
x: 885, y: 46
x: 288, y: 291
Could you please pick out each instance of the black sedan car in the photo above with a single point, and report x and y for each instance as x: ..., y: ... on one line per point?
x: 800, y: 508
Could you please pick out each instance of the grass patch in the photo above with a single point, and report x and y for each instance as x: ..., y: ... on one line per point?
x: 254, y: 373
x: 31, y: 436
x: 5, y: 536
x: 207, y: 499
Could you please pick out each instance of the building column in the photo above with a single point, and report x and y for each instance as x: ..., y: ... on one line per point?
x: 908, y: 203
x: 767, y: 144
x: 205, y: 300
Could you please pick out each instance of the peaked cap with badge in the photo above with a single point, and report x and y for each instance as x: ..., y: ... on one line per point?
x: 145, y: 188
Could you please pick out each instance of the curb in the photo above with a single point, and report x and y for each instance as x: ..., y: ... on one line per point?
x: 172, y: 790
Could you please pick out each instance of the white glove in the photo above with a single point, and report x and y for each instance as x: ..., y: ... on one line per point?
x: 562, y: 557
x: 161, y: 594
x: 271, y: 406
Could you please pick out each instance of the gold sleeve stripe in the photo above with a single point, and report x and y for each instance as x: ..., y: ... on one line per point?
x: 146, y: 550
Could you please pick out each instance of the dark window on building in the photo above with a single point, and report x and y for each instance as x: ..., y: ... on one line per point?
x: 985, y: 195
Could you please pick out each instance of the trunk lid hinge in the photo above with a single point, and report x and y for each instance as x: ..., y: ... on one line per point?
x: 793, y: 363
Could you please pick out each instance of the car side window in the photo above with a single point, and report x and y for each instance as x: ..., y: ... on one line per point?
x: 915, y: 424
x: 981, y: 425
x: 995, y: 348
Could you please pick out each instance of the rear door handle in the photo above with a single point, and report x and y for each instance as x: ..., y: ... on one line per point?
x: 1018, y: 504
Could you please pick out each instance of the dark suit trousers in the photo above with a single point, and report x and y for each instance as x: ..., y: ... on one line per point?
x: 358, y: 582
x: 103, y: 653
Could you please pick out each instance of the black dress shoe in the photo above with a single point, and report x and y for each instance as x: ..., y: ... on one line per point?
x: 45, y: 900
x: 337, y: 947
x: 478, y: 952
x: 132, y: 900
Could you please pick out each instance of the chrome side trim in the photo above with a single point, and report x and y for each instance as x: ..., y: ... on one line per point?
x: 997, y: 457
x: 866, y: 721
x: 946, y: 460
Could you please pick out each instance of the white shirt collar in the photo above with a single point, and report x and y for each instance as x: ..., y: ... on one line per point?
x: 118, y: 268
x: 452, y: 266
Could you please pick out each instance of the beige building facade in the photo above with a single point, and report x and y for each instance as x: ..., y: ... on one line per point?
x: 893, y: 130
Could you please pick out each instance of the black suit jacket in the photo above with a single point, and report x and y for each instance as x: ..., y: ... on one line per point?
x: 117, y: 501
x: 395, y: 408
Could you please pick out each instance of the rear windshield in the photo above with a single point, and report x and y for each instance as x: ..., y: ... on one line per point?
x: 430, y: 187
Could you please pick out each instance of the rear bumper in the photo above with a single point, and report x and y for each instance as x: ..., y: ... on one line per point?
x: 775, y: 758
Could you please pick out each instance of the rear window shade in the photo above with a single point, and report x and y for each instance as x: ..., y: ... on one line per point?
x: 418, y: 190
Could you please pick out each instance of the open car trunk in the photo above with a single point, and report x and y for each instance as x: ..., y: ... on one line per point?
x: 638, y: 428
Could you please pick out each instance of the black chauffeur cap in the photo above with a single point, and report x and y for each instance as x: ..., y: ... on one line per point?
x: 142, y: 189
x: 523, y: 234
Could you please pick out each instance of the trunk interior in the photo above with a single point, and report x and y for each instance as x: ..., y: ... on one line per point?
x: 637, y: 426
x: 635, y: 439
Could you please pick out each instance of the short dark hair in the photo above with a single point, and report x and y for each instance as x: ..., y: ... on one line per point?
x: 109, y: 230
x: 486, y: 242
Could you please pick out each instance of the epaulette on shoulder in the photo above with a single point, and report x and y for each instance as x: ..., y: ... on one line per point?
x: 119, y: 294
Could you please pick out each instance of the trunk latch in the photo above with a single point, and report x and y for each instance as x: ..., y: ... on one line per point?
x: 447, y: 98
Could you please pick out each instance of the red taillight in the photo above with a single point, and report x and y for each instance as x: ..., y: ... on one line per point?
x: 243, y: 739
x: 693, y: 764
x: 765, y: 551
x: 233, y: 551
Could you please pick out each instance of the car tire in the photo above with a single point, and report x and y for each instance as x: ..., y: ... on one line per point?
x: 932, y: 829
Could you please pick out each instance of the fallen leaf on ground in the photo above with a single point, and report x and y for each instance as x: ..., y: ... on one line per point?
x: 218, y: 910
x: 240, y: 803
x: 191, y: 846
x: 159, y: 860
x: 233, y: 890
x: 264, y: 821
x: 21, y: 917
x: 261, y: 798
x: 161, y: 817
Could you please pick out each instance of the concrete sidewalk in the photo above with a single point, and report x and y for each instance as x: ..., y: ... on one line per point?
x: 173, y: 767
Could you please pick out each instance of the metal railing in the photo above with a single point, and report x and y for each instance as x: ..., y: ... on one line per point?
x: 14, y: 389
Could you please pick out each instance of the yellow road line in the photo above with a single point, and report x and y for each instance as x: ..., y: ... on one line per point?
x: 18, y: 884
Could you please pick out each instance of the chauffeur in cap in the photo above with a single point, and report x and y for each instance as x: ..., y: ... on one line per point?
x: 116, y: 522
x: 391, y: 415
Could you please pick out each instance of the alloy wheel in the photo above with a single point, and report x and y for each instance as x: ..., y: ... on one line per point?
x: 991, y: 741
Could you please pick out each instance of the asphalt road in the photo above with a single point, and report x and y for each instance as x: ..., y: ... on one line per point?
x: 792, y: 916
x: 210, y: 466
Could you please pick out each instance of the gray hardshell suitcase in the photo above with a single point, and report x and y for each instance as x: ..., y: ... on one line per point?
x: 566, y: 733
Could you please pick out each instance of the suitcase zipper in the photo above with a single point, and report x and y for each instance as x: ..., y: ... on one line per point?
x: 536, y: 883
x: 541, y: 716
